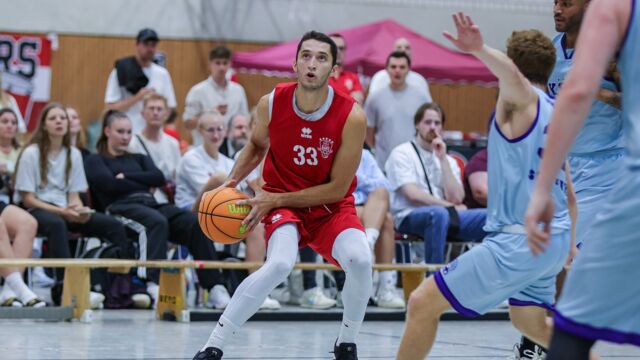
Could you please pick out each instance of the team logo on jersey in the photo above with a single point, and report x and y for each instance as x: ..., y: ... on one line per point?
x: 305, y: 133
x: 450, y: 267
x: 275, y: 218
x: 326, y: 147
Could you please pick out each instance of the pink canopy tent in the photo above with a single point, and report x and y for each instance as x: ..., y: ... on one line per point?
x: 367, y: 49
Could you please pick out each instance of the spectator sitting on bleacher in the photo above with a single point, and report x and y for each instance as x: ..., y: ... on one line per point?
x: 204, y: 168
x: 162, y: 148
x: 15, y: 293
x: 122, y: 183
x: 237, y: 135
x: 427, y: 189
x: 7, y: 101
x: 9, y: 150
x: 390, y: 110
x: 14, y: 221
x: 20, y: 225
x: 49, y: 177
x: 372, y: 204
x: 202, y: 162
x: 78, y: 137
x: 476, y: 185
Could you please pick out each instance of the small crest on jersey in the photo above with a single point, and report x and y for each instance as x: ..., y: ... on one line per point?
x: 275, y: 218
x: 305, y: 133
x: 326, y: 147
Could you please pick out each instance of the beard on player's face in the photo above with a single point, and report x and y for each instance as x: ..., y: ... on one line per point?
x: 313, y: 78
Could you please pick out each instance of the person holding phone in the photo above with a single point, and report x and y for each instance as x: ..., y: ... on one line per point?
x: 48, y: 179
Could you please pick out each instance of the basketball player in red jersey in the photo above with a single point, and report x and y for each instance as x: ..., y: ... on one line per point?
x: 312, y: 137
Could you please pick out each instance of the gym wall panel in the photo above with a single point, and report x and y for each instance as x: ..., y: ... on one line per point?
x: 81, y: 65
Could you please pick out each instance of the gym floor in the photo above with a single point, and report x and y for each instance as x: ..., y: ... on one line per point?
x: 135, y: 334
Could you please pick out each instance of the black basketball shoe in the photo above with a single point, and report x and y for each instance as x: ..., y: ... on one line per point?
x: 210, y: 353
x: 345, y: 351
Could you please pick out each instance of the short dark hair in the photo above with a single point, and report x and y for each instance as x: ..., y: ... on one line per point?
x: 318, y: 36
x: 398, y: 55
x: 533, y: 53
x: 428, y: 106
x: 338, y: 35
x: 220, y: 52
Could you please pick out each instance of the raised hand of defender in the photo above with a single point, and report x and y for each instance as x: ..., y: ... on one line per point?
x: 469, y: 37
x: 261, y: 204
x: 540, y: 212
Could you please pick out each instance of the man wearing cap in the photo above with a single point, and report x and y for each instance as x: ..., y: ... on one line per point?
x: 135, y: 77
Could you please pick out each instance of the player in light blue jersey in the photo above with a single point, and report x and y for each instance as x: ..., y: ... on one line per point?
x: 601, y: 297
x: 596, y: 157
x: 502, y: 267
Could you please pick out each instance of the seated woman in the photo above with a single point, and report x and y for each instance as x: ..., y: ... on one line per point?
x: 14, y: 292
x: 49, y: 176
x: 9, y: 150
x: 20, y: 225
x: 123, y: 183
x: 78, y: 137
x: 205, y: 167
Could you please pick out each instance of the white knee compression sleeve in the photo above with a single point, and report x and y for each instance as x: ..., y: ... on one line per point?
x: 281, y: 257
x: 352, y: 253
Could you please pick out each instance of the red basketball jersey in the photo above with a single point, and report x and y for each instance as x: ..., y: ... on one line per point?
x: 301, y: 152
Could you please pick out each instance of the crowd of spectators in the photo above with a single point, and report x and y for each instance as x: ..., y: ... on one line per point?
x: 58, y: 189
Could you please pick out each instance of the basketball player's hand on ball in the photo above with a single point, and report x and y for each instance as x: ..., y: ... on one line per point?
x: 260, y: 204
x: 469, y: 36
x: 540, y: 212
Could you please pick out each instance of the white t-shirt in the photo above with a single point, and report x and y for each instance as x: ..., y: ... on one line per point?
x: 165, y: 154
x: 207, y: 95
x: 159, y: 79
x: 391, y: 112
x: 403, y: 167
x: 194, y: 170
x: 55, y: 191
x: 381, y: 79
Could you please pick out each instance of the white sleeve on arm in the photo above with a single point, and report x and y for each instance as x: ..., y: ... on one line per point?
x: 370, y: 112
x: 77, y: 178
x: 169, y: 92
x: 455, y: 168
x: 192, y: 107
x: 193, y: 172
x: 400, y: 169
x: 244, y: 107
x: 113, y: 92
x: 27, y: 177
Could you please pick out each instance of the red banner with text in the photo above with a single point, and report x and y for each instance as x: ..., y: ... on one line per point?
x: 25, y: 64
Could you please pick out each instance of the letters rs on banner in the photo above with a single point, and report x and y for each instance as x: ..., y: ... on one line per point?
x: 25, y: 64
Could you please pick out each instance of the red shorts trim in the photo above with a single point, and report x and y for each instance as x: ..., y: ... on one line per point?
x: 318, y: 226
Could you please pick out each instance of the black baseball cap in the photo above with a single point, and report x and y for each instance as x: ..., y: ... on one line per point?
x: 147, y: 35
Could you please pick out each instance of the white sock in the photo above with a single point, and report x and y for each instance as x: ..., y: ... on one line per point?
x: 6, y: 293
x: 386, y: 279
x: 372, y: 236
x: 348, y: 331
x: 19, y: 287
x: 220, y: 335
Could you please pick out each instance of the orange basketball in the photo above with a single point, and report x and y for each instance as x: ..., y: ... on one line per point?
x: 221, y: 218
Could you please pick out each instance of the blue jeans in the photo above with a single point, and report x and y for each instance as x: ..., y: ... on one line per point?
x: 432, y: 223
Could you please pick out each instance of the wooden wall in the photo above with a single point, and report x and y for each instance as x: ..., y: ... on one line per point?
x: 81, y: 65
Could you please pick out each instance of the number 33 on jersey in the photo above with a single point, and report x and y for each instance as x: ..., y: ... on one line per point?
x: 309, y: 155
